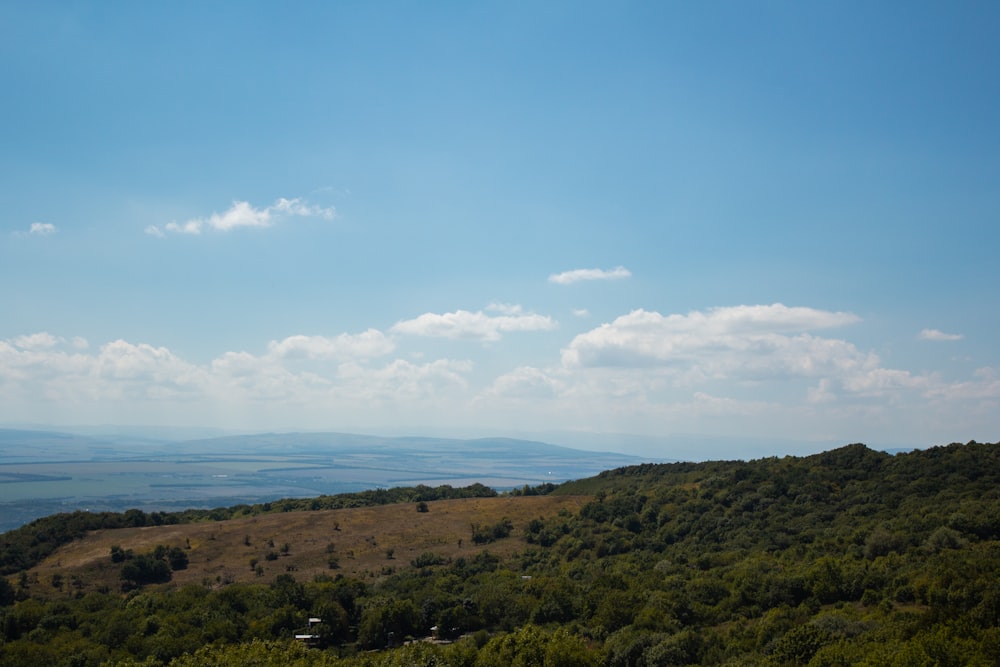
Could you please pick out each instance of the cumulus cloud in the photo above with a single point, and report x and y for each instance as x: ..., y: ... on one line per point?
x: 577, y: 275
x: 342, y: 373
x: 647, y: 337
x: 983, y: 386
x: 526, y: 382
x: 747, y: 369
x: 147, y: 369
x: 403, y: 380
x: 35, y: 341
x: 746, y: 345
x: 242, y: 214
x: 464, y: 324
x: 938, y: 336
x: 40, y: 367
x: 350, y: 384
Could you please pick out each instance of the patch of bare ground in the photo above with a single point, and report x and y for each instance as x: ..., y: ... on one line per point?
x: 364, y: 542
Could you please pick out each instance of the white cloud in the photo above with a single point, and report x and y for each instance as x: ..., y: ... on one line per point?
x: 707, y: 404
x: 644, y: 337
x: 743, y: 370
x: 42, y: 228
x: 937, y: 335
x: 505, y: 308
x: 401, y: 380
x: 40, y: 370
x: 526, y: 382
x: 351, y: 385
x: 985, y: 385
x: 821, y: 393
x: 463, y: 324
x: 577, y: 275
x: 371, y: 343
x: 36, y: 229
x: 147, y: 372
x: 242, y: 214
x: 42, y: 367
x: 35, y: 341
x: 242, y: 377
x: 581, y: 312
x: 298, y: 207
x: 189, y: 227
x: 768, y: 347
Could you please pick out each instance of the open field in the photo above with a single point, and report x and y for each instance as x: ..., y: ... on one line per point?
x: 360, y: 539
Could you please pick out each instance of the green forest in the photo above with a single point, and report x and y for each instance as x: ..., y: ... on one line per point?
x: 849, y: 557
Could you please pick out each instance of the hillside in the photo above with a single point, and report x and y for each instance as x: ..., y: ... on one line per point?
x: 364, y: 542
x: 850, y: 557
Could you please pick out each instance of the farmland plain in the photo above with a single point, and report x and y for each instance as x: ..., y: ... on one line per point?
x: 45, y: 472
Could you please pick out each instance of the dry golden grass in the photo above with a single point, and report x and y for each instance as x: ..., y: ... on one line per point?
x: 359, y: 538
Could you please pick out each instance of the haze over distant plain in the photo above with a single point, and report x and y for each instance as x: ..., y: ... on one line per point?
x: 733, y: 223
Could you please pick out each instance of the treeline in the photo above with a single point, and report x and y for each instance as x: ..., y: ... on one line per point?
x: 25, y: 547
x: 851, y: 557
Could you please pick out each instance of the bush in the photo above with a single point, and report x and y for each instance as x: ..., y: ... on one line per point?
x: 487, y: 534
x: 145, y: 569
x: 427, y: 559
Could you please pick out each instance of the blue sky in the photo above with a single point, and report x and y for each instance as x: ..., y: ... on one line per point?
x: 769, y: 221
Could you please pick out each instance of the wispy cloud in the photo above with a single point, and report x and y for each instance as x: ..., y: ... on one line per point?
x: 578, y: 275
x: 937, y: 335
x: 36, y: 229
x: 526, y: 382
x: 474, y: 325
x: 370, y: 344
x: 242, y: 214
x: 42, y: 228
x: 505, y: 308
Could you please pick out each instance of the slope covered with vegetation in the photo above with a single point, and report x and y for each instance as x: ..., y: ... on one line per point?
x: 26, y: 546
x: 844, y: 558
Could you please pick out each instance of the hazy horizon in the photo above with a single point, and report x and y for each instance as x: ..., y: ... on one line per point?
x: 654, y: 448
